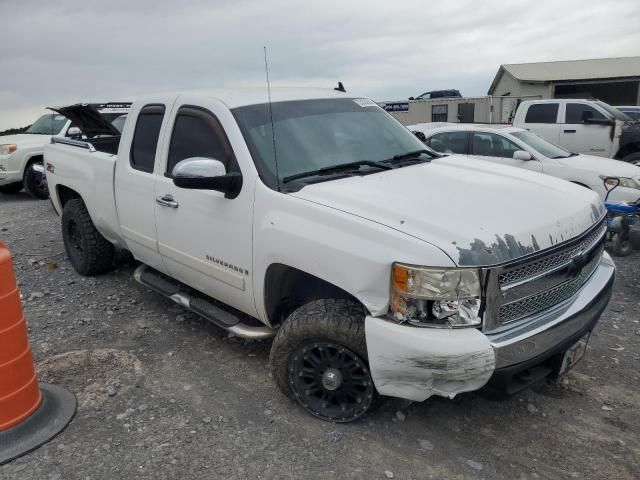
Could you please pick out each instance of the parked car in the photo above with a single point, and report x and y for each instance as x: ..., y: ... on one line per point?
x: 21, y: 154
x: 438, y: 94
x: 515, y: 147
x: 582, y: 126
x: 380, y: 268
x: 631, y: 111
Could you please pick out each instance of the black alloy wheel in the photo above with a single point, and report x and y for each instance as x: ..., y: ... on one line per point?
x: 330, y: 381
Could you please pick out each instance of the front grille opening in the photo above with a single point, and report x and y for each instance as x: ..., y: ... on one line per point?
x: 548, y: 298
x: 537, y: 267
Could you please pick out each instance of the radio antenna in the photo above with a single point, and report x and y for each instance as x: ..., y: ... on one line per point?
x: 273, y: 131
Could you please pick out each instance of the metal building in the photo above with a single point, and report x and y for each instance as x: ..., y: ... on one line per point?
x: 615, y: 81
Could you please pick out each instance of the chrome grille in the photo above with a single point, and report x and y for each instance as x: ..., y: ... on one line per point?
x: 532, y: 285
x: 549, y: 298
x: 536, y: 267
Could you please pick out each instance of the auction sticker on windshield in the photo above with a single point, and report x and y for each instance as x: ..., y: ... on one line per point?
x: 574, y: 354
x: 365, y: 102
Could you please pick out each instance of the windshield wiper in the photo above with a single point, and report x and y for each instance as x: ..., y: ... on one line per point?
x: 565, y: 156
x: 344, y: 167
x: 413, y: 155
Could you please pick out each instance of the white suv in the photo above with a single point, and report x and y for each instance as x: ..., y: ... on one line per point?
x: 21, y: 155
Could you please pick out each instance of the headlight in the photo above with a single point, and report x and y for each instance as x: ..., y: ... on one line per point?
x: 8, y: 148
x: 435, y: 297
x: 624, y: 181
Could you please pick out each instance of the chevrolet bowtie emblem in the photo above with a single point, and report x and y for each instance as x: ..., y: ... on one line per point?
x: 577, y: 263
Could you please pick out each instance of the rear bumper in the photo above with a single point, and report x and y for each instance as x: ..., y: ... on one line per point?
x: 416, y: 363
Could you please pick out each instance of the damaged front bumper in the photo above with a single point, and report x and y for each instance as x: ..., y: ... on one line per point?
x: 416, y: 363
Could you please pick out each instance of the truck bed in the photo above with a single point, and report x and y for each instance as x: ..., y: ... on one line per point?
x: 86, y: 168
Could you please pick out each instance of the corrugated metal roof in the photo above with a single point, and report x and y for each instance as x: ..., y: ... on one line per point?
x: 571, y: 70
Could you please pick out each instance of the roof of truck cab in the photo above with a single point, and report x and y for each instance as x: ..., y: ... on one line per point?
x: 242, y: 96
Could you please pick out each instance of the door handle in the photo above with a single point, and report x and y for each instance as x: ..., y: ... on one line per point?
x: 167, y: 201
x: 569, y: 131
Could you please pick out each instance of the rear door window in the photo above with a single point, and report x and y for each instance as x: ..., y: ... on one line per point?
x: 578, y: 112
x: 542, y: 113
x: 145, y: 138
x: 449, y: 142
x: 198, y: 133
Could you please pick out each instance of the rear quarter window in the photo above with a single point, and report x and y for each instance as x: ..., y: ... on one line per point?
x: 145, y: 138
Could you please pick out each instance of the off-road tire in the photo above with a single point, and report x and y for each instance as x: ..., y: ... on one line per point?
x: 332, y: 322
x: 11, y: 188
x: 35, y: 183
x: 633, y: 158
x: 88, y: 251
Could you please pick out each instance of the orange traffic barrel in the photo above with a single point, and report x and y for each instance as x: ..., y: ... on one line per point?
x: 30, y: 415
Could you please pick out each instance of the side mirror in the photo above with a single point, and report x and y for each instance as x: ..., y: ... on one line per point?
x: 411, y: 98
x: 522, y: 155
x: 201, y: 173
x: 74, y: 132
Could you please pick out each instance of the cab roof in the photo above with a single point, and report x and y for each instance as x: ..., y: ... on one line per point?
x: 242, y: 96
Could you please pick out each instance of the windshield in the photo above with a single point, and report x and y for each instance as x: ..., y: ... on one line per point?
x: 546, y: 148
x: 632, y: 114
x: 315, y: 134
x: 614, y: 112
x: 49, y: 124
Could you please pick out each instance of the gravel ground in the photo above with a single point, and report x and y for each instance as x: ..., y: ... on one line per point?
x: 163, y: 394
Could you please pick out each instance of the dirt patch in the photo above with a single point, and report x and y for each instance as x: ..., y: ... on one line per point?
x: 93, y: 375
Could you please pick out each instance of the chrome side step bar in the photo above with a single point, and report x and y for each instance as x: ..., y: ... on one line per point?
x: 180, y: 294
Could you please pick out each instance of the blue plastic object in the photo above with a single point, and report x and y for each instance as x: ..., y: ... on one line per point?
x: 622, y: 208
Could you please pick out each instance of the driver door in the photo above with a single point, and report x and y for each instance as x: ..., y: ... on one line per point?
x: 204, y: 238
x: 577, y: 135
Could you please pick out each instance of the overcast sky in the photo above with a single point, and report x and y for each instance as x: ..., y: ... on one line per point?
x: 64, y: 51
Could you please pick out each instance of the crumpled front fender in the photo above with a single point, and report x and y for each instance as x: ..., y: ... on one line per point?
x: 416, y: 363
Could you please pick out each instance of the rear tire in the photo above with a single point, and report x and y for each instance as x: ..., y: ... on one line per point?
x: 89, y: 252
x: 633, y: 158
x: 319, y: 359
x: 11, y: 188
x: 35, y: 183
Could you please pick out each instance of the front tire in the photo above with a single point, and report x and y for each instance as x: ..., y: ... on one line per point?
x: 319, y: 359
x: 11, y: 188
x: 35, y: 183
x: 89, y: 252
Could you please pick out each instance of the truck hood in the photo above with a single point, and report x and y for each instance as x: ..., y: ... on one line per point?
x: 602, y: 166
x: 25, y: 139
x: 476, y: 215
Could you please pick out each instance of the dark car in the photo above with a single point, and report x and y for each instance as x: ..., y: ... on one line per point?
x: 438, y: 94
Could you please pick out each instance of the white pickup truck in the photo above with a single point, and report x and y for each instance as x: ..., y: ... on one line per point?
x: 319, y: 219
x: 21, y: 154
x: 582, y: 126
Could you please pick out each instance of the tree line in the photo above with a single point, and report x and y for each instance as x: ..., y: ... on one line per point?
x: 13, y: 131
